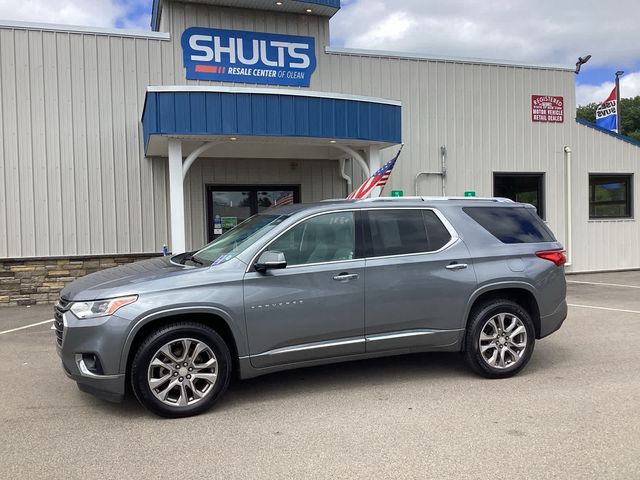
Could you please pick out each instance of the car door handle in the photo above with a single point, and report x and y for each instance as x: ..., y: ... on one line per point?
x: 456, y: 266
x: 343, y: 277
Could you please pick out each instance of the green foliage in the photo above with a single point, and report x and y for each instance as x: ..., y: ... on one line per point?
x: 630, y: 109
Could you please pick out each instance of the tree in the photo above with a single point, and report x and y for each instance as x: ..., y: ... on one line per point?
x: 630, y: 109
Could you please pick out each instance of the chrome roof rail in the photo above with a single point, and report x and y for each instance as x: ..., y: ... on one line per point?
x: 484, y: 199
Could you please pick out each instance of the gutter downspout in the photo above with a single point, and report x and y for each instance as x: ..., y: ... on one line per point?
x: 442, y: 173
x: 569, y: 216
x: 344, y: 175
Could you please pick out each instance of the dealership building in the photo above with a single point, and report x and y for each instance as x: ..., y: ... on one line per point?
x: 114, y: 143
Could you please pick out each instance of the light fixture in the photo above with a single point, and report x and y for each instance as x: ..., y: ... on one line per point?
x: 279, y: 3
x: 233, y: 139
x: 332, y: 141
x: 308, y: 10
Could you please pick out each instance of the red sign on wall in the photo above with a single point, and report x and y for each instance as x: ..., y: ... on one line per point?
x: 546, y: 108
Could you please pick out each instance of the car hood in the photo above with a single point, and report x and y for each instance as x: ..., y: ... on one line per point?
x: 132, y: 278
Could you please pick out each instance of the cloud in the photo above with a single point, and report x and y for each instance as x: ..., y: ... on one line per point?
x: 545, y: 31
x: 629, y: 87
x: 96, y: 13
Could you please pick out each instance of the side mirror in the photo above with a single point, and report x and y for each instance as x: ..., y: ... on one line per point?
x: 270, y: 260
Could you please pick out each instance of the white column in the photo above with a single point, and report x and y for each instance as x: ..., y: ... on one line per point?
x: 176, y: 197
x: 375, y: 162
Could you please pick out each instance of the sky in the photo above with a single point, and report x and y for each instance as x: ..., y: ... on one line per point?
x: 534, y: 31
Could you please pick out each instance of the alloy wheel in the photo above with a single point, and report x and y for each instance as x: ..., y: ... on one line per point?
x: 182, y: 372
x: 503, y: 340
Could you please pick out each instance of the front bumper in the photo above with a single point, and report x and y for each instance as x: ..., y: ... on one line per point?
x: 100, y: 337
x: 551, y: 323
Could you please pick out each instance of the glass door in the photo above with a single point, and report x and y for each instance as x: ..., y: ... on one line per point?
x: 227, y: 205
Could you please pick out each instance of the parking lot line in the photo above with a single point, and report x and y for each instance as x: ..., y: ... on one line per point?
x: 604, y: 284
x: 26, y: 326
x: 604, y: 308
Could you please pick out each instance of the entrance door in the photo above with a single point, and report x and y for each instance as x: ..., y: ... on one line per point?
x: 229, y: 205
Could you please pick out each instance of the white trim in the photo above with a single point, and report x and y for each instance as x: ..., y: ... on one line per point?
x: 441, y: 58
x: 56, y: 27
x: 176, y: 197
x: 271, y: 91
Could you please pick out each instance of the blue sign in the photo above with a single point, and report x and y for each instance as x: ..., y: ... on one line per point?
x: 248, y: 57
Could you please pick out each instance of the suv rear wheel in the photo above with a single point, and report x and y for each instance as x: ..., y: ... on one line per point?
x: 181, y: 370
x: 500, y: 339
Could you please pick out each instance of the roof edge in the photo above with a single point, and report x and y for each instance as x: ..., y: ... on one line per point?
x: 55, y: 27
x: 618, y: 136
x: 442, y: 58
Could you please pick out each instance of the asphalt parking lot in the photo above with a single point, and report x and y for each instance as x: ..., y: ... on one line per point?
x: 573, y: 413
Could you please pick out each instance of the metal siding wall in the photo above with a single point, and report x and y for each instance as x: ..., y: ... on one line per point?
x: 75, y: 180
x: 74, y: 177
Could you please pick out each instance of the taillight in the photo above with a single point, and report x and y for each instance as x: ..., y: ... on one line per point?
x: 556, y: 256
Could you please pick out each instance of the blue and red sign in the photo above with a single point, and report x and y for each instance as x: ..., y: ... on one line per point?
x: 248, y: 57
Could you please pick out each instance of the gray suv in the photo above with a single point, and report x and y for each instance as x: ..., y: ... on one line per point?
x: 307, y: 285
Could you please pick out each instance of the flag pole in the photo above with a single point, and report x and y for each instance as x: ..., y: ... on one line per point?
x: 398, y: 156
x: 619, y: 73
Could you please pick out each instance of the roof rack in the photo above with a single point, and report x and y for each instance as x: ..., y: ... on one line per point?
x: 432, y: 199
x: 485, y: 199
x: 421, y: 199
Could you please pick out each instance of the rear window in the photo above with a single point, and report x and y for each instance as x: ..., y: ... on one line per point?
x: 511, y: 224
x: 400, y: 232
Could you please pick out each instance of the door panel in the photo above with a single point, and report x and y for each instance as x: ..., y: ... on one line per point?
x: 418, y: 279
x: 414, y: 300
x: 303, y: 313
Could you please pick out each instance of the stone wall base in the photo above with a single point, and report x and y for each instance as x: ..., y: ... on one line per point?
x: 34, y: 281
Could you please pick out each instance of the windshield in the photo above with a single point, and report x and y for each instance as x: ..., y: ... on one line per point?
x: 236, y: 240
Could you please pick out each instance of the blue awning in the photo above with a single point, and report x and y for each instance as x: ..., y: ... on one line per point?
x: 227, y: 111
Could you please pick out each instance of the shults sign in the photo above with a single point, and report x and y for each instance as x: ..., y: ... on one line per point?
x: 248, y: 57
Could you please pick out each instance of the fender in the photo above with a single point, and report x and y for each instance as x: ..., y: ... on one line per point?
x: 496, y: 286
x: 238, y: 336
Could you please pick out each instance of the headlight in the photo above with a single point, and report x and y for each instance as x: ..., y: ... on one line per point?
x: 100, y: 308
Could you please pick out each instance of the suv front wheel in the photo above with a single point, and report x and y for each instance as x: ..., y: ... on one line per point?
x: 181, y: 370
x: 500, y: 339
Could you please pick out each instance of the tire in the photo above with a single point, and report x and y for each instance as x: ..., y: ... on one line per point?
x: 502, y: 354
x: 184, y: 383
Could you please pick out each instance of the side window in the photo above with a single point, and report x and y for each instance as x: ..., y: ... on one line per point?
x: 511, y: 224
x: 437, y: 233
x: 397, y: 232
x: 324, y: 238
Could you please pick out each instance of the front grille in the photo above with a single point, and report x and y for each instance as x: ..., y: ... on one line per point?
x: 59, y: 308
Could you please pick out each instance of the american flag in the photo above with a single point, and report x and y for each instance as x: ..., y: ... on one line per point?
x: 286, y: 200
x: 378, y: 179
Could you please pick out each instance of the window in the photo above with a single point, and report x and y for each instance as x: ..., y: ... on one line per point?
x: 511, y: 224
x: 437, y: 233
x: 230, y: 205
x: 398, y: 232
x: 235, y: 241
x: 324, y: 238
x: 521, y: 187
x: 610, y: 196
